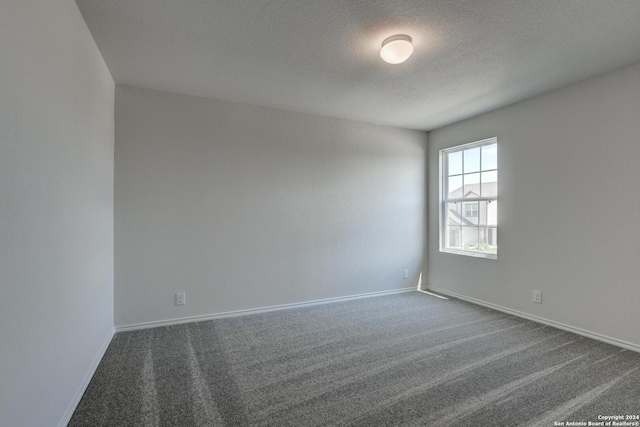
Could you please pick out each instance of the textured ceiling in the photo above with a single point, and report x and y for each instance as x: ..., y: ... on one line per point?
x: 321, y: 56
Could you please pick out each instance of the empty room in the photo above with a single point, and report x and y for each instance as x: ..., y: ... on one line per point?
x: 319, y: 213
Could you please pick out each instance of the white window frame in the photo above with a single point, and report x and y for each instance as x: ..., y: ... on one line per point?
x: 443, y: 199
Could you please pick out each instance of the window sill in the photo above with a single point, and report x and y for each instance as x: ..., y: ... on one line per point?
x: 470, y: 253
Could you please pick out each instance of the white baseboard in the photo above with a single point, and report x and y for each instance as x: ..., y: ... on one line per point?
x: 181, y: 320
x: 85, y: 382
x: 569, y: 328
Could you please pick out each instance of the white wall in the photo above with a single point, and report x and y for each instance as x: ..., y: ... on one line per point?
x: 569, y: 181
x: 244, y: 207
x: 56, y: 209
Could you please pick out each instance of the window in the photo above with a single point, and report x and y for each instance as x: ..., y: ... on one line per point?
x: 469, y: 202
x: 470, y: 209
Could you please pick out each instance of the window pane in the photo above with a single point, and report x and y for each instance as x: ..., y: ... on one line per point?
x: 454, y: 214
x: 489, y: 187
x: 482, y: 214
x: 472, y: 160
x: 488, y: 213
x: 470, y: 238
x: 489, y: 240
x: 455, y: 187
x: 470, y: 211
x: 454, y: 237
x: 472, y: 185
x: 492, y: 213
x: 490, y: 157
x: 455, y: 163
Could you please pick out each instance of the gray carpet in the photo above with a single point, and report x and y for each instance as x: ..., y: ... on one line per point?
x: 405, y: 359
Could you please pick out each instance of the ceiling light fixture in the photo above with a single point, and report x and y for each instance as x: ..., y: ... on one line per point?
x: 396, y: 49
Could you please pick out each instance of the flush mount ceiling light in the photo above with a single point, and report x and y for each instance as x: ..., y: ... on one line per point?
x: 396, y: 49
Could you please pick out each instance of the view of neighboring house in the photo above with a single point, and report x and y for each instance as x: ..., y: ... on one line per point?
x: 472, y: 225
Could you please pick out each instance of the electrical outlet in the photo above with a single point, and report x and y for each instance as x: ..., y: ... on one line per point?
x: 405, y: 273
x: 537, y: 297
x: 180, y: 298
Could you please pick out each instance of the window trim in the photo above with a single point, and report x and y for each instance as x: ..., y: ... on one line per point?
x: 442, y: 202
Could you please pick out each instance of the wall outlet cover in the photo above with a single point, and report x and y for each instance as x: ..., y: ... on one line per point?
x: 537, y: 297
x: 180, y: 298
